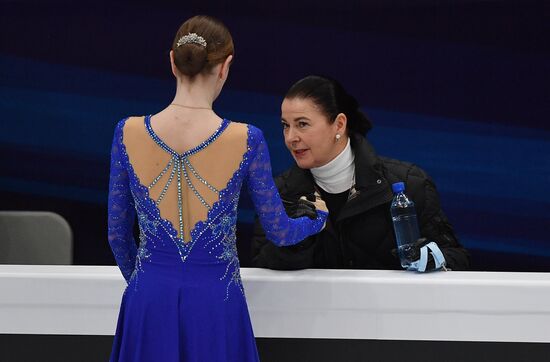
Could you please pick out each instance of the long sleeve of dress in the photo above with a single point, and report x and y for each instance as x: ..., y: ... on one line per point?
x: 121, y: 211
x: 279, y: 228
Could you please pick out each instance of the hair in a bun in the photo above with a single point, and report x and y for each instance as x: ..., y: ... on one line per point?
x: 201, y: 43
x: 190, y: 59
x: 333, y: 99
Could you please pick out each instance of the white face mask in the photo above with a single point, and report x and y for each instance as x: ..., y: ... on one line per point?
x: 339, y: 174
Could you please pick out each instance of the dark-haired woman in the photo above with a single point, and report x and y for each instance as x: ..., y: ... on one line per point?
x: 324, y: 130
x: 180, y: 172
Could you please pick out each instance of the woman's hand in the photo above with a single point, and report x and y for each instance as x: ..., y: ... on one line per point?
x: 319, y: 203
x: 301, y: 207
x: 305, y: 206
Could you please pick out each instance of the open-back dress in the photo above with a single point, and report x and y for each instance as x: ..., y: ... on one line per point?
x: 185, y: 300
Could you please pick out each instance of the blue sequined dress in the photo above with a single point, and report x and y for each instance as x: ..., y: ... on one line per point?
x: 184, y: 300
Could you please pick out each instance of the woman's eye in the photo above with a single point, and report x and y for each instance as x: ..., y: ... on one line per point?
x: 302, y: 124
x: 284, y: 125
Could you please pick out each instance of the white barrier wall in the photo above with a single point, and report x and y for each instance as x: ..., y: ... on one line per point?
x: 343, y: 304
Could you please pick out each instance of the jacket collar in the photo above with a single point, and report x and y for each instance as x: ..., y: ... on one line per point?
x: 367, y: 167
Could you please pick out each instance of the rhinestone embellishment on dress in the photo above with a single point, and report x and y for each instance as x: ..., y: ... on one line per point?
x: 179, y: 165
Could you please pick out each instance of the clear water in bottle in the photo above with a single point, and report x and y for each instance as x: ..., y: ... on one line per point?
x: 405, y: 224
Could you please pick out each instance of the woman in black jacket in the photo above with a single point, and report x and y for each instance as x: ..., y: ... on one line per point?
x: 324, y: 130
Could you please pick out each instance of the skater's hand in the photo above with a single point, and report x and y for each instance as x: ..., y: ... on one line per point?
x: 305, y: 206
x: 302, y: 207
x: 313, y: 202
x: 318, y: 204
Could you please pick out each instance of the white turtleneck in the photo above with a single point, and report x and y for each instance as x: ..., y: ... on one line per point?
x: 339, y: 174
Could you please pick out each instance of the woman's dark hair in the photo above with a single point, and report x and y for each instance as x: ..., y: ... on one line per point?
x: 193, y: 58
x: 328, y: 94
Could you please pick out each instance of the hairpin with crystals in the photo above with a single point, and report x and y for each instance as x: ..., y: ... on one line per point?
x: 191, y: 38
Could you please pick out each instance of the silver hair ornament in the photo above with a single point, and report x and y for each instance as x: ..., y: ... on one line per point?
x: 191, y: 38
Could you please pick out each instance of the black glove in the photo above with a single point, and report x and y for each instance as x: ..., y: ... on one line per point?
x: 415, y: 253
x: 301, y: 207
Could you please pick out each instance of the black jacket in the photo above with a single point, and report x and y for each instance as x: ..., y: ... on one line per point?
x: 362, y: 237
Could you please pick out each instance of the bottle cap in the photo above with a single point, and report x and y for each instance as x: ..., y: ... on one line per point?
x: 398, y: 187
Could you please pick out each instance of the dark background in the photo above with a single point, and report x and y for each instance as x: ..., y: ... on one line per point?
x: 459, y: 87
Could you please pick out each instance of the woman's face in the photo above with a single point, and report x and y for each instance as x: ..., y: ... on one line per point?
x: 309, y: 136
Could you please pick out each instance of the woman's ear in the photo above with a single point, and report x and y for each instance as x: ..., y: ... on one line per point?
x: 224, y: 70
x: 173, y: 65
x: 340, y: 123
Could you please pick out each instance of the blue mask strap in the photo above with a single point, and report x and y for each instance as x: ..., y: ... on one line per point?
x: 439, y: 259
x: 420, y: 264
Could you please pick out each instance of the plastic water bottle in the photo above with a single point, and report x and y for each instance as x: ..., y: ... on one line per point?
x: 405, y: 224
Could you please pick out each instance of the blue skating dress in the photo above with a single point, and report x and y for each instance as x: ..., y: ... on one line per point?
x: 184, y: 300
